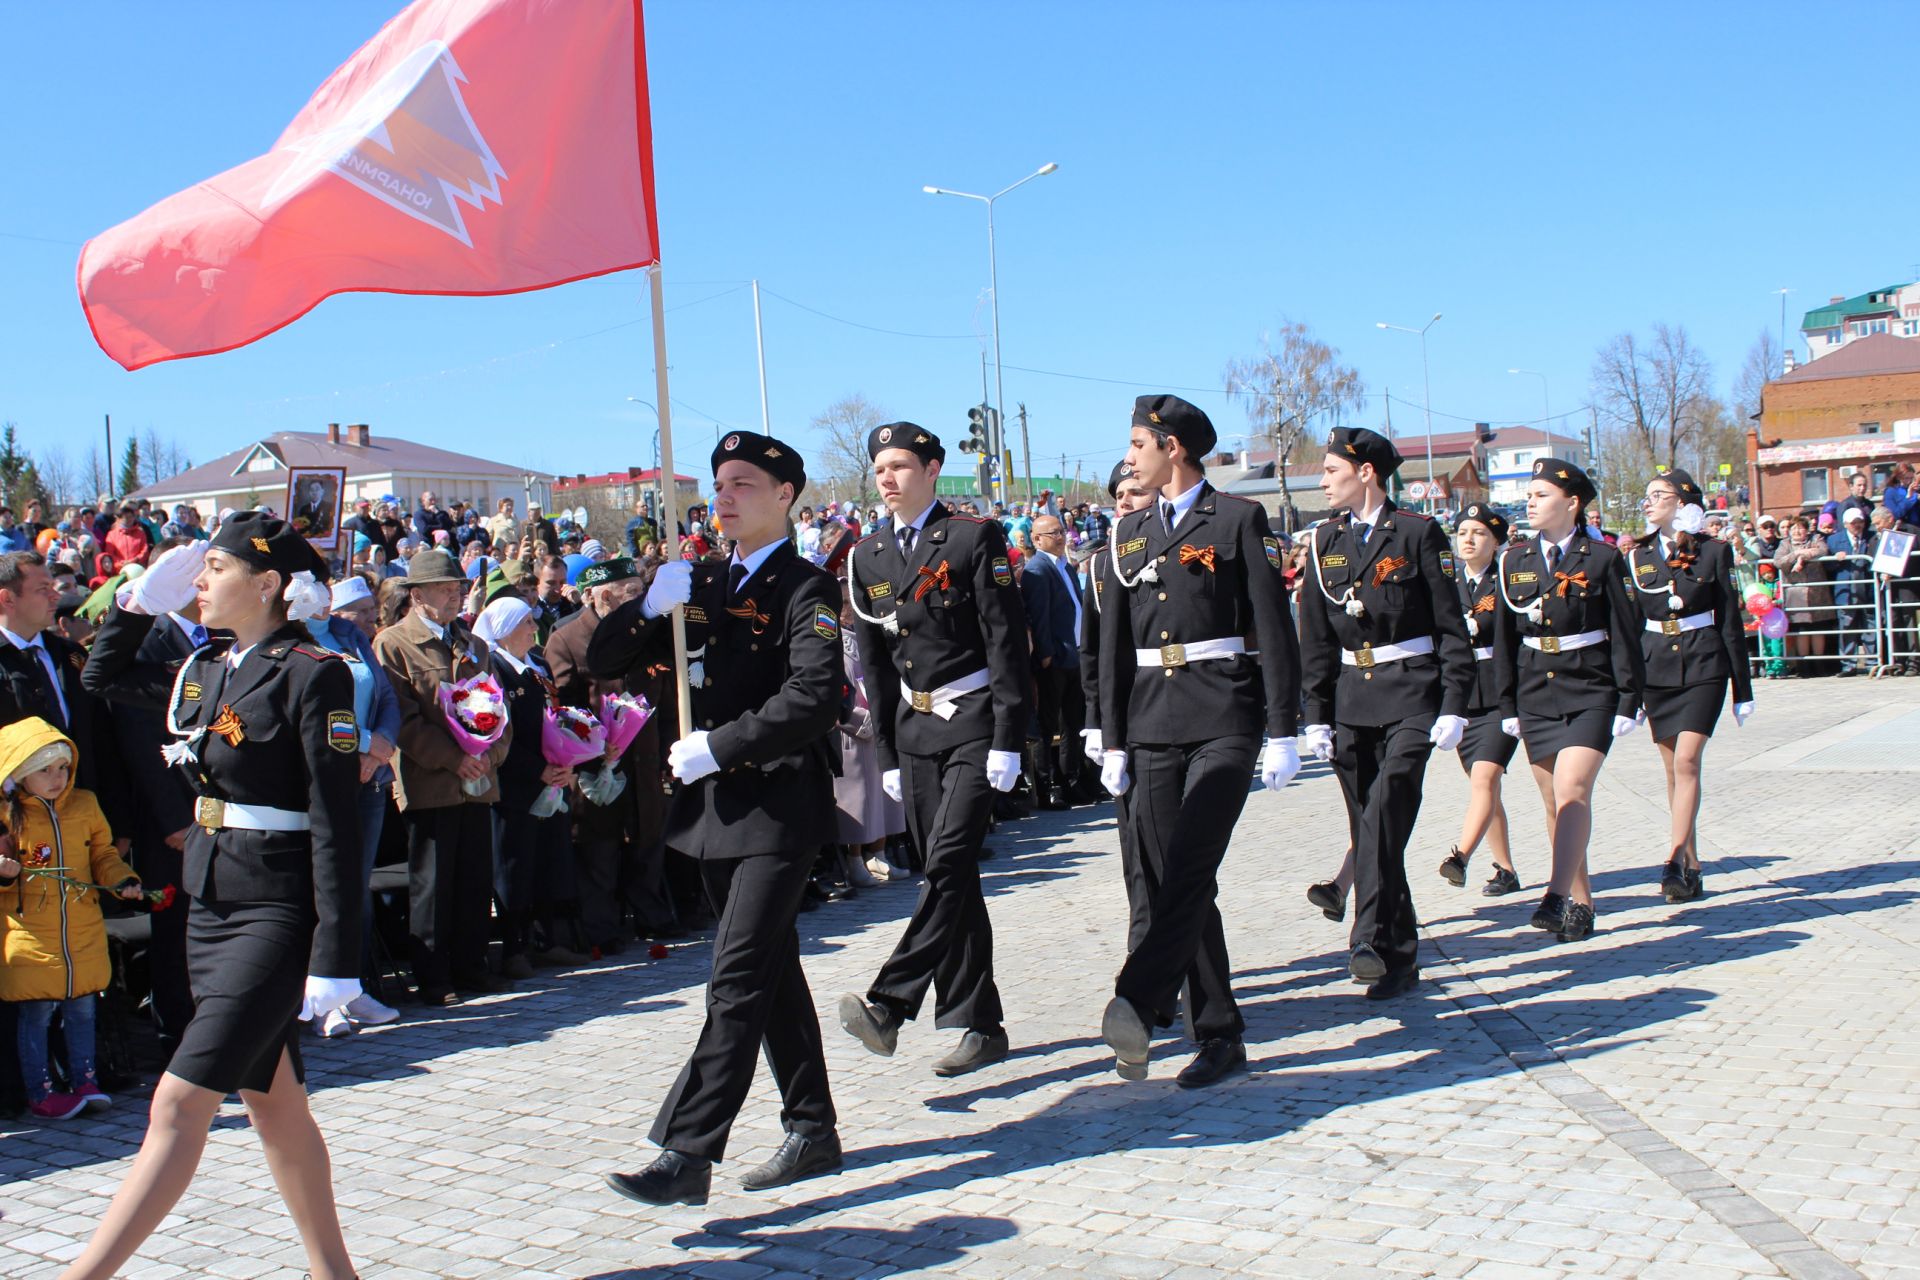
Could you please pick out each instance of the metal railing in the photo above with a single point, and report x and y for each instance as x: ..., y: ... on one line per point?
x: 1873, y: 631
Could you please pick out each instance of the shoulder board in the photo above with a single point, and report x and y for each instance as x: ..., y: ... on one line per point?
x: 955, y: 515
x: 1233, y: 497
x: 871, y: 536
x: 1407, y: 511
x: 315, y: 652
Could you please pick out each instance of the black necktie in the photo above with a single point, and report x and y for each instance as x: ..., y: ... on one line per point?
x: 906, y: 541
x: 736, y: 578
x: 38, y: 658
x: 1360, y: 530
x: 1553, y: 556
x: 1166, y: 514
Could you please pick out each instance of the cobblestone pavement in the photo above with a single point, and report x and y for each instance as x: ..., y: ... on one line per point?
x: 1722, y: 1089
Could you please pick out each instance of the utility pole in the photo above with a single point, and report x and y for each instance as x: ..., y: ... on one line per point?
x: 1026, y: 456
x: 108, y: 477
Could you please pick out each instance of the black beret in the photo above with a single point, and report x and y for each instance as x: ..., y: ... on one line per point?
x: 1486, y: 515
x: 1120, y: 472
x: 1689, y: 491
x: 778, y: 460
x: 1564, y: 476
x: 601, y: 572
x: 909, y: 436
x: 1358, y: 445
x: 1171, y: 416
x: 267, y: 542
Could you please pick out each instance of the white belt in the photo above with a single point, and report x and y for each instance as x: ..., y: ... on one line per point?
x: 1179, y: 655
x: 215, y: 815
x: 1560, y: 644
x: 943, y: 702
x: 1374, y: 654
x: 1483, y: 655
x: 1674, y: 626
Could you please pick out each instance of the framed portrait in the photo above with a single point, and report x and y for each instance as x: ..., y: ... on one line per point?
x: 1891, y: 558
x: 314, y: 498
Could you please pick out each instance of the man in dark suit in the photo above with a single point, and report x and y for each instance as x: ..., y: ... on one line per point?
x: 1055, y: 620
x: 1853, y: 587
x: 754, y: 805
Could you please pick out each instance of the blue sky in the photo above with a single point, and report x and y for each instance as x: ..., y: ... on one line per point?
x: 1544, y: 175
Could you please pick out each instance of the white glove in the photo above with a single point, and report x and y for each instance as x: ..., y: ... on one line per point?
x: 1446, y: 732
x: 1742, y: 712
x: 1511, y: 726
x: 890, y: 783
x: 672, y: 585
x: 690, y: 759
x: 1624, y: 725
x: 324, y: 995
x: 1320, y: 741
x: 1090, y: 744
x: 1113, y: 773
x: 1279, y: 764
x: 167, y: 585
x: 1003, y: 769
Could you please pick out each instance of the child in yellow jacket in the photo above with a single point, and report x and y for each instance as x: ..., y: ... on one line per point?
x: 53, y: 940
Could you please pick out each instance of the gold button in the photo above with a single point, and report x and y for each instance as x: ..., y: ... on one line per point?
x: 1676, y: 648
x: 1164, y: 636
x: 903, y: 631
x: 709, y: 724
x: 754, y: 647
x: 1366, y: 675
x: 1549, y: 675
x: 909, y: 664
x: 708, y: 682
x: 1163, y: 595
x: 1163, y: 559
x: 1169, y: 673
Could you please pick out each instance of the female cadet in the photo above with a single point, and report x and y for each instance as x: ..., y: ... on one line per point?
x: 1486, y: 749
x: 1569, y: 673
x: 266, y: 736
x: 1693, y: 645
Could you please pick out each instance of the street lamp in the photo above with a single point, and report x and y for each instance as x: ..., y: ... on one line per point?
x: 1426, y: 390
x: 993, y: 283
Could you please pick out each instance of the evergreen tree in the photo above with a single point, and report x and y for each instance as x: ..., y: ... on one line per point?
x: 12, y: 464
x: 130, y: 468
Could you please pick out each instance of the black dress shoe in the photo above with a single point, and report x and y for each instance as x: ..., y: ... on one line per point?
x: 1327, y: 896
x: 1502, y: 883
x: 1454, y: 869
x: 1673, y: 881
x: 1216, y: 1060
x: 1551, y: 913
x: 1578, y: 923
x: 874, y: 1026
x: 976, y: 1049
x: 1695, y: 886
x: 671, y: 1179
x: 1397, y: 983
x: 1366, y: 965
x: 1053, y: 799
x: 798, y: 1158
x: 1126, y: 1033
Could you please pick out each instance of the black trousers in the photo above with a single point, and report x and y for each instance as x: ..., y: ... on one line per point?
x: 160, y: 864
x: 1183, y: 804
x: 949, y: 941
x: 1381, y: 769
x: 1061, y: 706
x: 449, y: 890
x: 1138, y: 884
x: 617, y: 875
x: 532, y: 869
x: 757, y: 997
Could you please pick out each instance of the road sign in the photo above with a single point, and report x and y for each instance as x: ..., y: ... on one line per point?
x: 1417, y: 489
x: 1726, y: 468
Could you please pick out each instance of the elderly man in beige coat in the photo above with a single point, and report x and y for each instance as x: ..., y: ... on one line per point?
x: 449, y: 830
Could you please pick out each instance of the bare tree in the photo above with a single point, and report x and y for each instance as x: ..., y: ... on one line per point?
x: 843, y: 468
x: 160, y: 458
x: 1293, y: 382
x: 1655, y: 391
x: 1762, y: 365
x: 95, y: 474
x: 1719, y: 437
x: 59, y: 475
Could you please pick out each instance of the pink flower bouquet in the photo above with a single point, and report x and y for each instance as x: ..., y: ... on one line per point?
x: 476, y: 714
x: 624, y: 715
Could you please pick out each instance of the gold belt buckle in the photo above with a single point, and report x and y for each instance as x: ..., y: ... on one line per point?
x: 1363, y: 656
x: 210, y: 813
x: 1173, y: 655
x: 921, y: 702
x: 1670, y: 626
x: 1549, y: 644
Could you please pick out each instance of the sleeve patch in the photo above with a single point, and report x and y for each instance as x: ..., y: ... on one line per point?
x: 342, y: 733
x: 1273, y: 551
x: 1002, y: 571
x: 826, y: 624
x: 1446, y: 563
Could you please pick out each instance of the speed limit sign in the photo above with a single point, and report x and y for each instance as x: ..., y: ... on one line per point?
x: 1417, y: 489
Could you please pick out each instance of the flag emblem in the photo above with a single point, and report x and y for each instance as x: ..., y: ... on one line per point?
x: 825, y: 624
x: 409, y: 142
x: 342, y: 733
x: 1002, y: 571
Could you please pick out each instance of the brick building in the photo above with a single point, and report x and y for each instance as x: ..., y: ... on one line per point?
x: 1858, y: 407
x: 608, y: 500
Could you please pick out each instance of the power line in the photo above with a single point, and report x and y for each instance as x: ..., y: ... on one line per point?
x: 897, y: 333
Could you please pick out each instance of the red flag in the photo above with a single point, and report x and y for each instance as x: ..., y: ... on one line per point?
x: 471, y: 147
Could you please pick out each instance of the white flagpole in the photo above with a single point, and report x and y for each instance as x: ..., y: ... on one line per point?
x: 670, y: 498
x: 760, y: 343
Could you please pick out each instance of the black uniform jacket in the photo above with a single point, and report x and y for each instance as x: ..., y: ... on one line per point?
x: 529, y: 693
x: 280, y: 733
x: 1479, y: 601
x: 139, y: 710
x: 766, y: 688
x: 1587, y: 593
x: 1218, y: 575
x: 1099, y: 581
x: 1707, y: 585
x: 1404, y: 575
x: 90, y: 725
x: 959, y: 610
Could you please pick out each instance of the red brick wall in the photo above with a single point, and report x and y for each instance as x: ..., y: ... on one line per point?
x: 1837, y: 406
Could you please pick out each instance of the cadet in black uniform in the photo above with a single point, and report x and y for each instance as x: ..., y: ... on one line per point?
x: 1486, y: 748
x: 1194, y: 589
x: 1567, y: 641
x: 754, y: 805
x: 943, y: 640
x: 267, y: 737
x: 1694, y: 646
x: 1129, y: 496
x: 1388, y: 670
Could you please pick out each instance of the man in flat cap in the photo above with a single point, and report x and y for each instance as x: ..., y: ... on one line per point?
x: 943, y: 638
x: 1195, y: 586
x: 754, y: 805
x: 1388, y: 667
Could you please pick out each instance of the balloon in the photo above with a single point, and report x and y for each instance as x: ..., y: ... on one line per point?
x: 1774, y: 625
x: 1760, y: 603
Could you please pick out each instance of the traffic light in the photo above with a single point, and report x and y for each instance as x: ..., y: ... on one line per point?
x: 977, y: 440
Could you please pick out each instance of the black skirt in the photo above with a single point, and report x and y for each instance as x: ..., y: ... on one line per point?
x: 1548, y: 735
x: 247, y: 962
x: 1690, y: 708
x: 1484, y: 741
